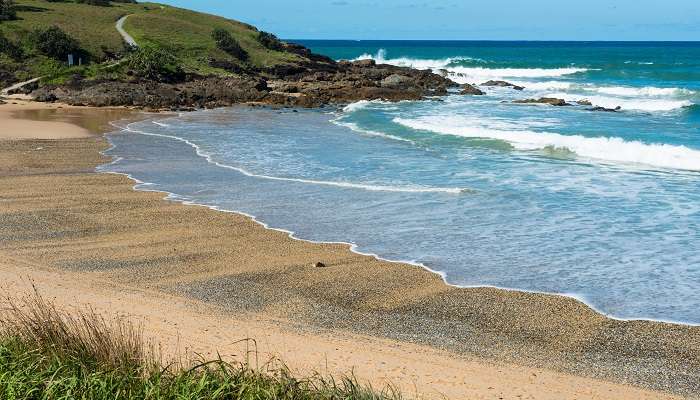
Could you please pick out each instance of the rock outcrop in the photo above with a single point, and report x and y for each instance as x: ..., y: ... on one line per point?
x: 584, y: 103
x: 503, y: 84
x: 309, y: 85
x: 544, y: 100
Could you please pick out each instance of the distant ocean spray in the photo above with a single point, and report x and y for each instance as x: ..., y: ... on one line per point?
x: 602, y: 206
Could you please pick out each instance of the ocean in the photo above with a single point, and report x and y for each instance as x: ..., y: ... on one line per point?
x: 601, y: 206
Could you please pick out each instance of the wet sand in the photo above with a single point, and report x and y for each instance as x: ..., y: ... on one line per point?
x: 208, y: 277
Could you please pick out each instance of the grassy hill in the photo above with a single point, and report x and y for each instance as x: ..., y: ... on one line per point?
x: 184, y: 33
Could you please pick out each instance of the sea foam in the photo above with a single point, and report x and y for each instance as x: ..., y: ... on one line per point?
x: 610, y: 149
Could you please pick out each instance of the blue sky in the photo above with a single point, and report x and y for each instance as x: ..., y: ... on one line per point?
x: 464, y: 19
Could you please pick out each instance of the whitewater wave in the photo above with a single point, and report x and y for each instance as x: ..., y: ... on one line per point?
x: 627, y: 91
x: 609, y: 149
x: 356, y: 128
x: 480, y: 75
x: 625, y: 103
x: 462, y: 74
x: 362, y: 104
x: 349, y: 185
x: 418, y: 63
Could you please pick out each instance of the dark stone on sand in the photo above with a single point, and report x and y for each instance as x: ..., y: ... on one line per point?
x: 502, y: 84
x: 46, y: 97
x: 544, y: 100
x: 319, y: 265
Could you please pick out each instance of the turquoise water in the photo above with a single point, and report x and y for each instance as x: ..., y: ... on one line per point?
x: 601, y: 206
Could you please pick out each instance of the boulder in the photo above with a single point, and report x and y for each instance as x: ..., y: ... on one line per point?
x: 502, y: 84
x: 468, y: 89
x: 584, y: 103
x: 319, y: 265
x: 544, y: 100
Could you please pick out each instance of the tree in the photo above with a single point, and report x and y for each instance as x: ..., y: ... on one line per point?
x: 227, y: 43
x: 154, y: 63
x: 7, y: 10
x: 55, y: 43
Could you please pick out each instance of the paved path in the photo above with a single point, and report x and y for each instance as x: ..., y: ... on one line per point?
x: 127, y: 38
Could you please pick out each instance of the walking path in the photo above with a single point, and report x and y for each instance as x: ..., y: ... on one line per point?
x: 127, y: 38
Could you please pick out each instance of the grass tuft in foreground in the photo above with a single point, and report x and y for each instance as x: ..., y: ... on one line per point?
x: 46, y: 353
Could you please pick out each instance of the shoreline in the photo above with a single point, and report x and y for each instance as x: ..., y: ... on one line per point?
x: 171, y: 196
x: 502, y: 295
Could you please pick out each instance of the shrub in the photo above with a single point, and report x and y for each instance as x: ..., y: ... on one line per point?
x: 154, y: 63
x: 55, y: 43
x: 227, y: 43
x: 270, y: 41
x: 7, y: 10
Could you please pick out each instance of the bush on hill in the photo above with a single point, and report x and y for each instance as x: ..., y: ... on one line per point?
x: 270, y: 41
x: 55, y: 43
x: 7, y: 10
x: 227, y: 43
x: 154, y: 63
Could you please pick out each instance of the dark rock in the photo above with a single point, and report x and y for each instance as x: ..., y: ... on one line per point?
x: 502, y: 84
x: 603, y: 109
x: 47, y: 97
x: 319, y: 265
x: 584, y: 103
x: 544, y: 100
x: 468, y: 89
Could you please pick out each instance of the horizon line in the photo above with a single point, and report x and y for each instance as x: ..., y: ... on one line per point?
x: 502, y: 40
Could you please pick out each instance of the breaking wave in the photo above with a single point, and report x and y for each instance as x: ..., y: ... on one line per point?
x: 611, y: 149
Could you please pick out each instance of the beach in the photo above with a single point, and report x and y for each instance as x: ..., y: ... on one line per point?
x: 201, y: 280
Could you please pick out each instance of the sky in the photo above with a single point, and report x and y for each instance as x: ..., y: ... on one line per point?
x: 464, y: 19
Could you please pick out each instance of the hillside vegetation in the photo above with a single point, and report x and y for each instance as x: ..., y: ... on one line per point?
x: 185, y: 34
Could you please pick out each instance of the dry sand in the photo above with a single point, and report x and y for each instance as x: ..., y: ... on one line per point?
x: 202, y: 279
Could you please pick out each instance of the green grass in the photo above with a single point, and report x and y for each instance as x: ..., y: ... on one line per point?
x: 185, y: 33
x: 93, y: 26
x: 46, y: 353
x: 188, y: 35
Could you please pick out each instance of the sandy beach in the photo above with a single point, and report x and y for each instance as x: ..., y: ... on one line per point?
x: 200, y: 280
